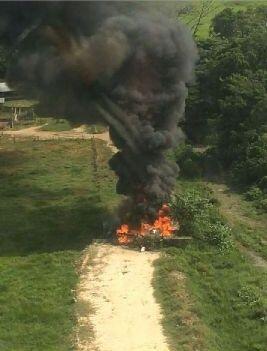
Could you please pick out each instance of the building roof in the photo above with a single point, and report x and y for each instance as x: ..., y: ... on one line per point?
x: 20, y: 103
x: 4, y: 87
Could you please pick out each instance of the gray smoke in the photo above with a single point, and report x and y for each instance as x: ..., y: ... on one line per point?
x: 91, y: 62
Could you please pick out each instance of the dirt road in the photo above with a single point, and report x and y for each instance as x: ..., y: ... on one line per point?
x: 118, y: 288
x: 76, y: 133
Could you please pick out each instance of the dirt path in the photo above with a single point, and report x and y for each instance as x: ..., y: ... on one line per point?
x: 256, y: 259
x: 76, y: 133
x: 230, y: 206
x: 118, y: 288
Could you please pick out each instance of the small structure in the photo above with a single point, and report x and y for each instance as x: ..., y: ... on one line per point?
x: 20, y: 109
x: 6, y: 93
x: 13, y: 107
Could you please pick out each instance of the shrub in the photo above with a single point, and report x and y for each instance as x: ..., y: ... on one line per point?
x: 189, y: 161
x: 254, y: 193
x: 248, y: 296
x: 262, y: 204
x: 219, y: 234
x: 263, y: 184
x: 186, y: 207
x: 199, y: 217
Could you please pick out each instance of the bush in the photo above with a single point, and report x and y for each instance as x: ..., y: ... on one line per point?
x: 252, y: 169
x: 186, y: 207
x: 248, y: 296
x: 199, y: 217
x: 254, y: 193
x: 259, y: 198
x: 263, y: 184
x: 189, y: 161
x: 219, y: 234
x: 262, y: 205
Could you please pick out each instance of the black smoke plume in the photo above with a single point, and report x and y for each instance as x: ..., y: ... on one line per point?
x: 93, y: 62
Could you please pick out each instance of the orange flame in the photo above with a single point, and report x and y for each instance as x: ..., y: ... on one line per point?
x: 162, y: 224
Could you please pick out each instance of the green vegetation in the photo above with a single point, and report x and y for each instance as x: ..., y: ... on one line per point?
x: 226, y: 124
x: 199, y: 217
x: 228, y: 305
x: 56, y: 196
x: 95, y: 129
x: 198, y: 15
x: 227, y: 300
x: 56, y: 125
x: 249, y: 225
x: 226, y: 109
x: 50, y: 210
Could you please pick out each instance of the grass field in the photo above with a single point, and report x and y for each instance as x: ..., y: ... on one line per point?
x: 50, y: 209
x: 249, y: 224
x: 225, y: 304
x: 56, y: 125
x: 215, y: 7
x: 95, y: 129
x: 53, y: 200
x: 172, y: 10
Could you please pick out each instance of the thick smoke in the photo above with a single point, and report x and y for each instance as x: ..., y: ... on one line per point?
x: 90, y: 62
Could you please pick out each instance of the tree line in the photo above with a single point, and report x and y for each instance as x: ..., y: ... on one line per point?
x: 226, y: 109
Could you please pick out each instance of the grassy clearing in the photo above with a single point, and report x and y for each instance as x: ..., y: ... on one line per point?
x: 95, y: 129
x: 21, y: 124
x: 248, y: 223
x: 50, y: 209
x: 227, y: 294
x: 52, y: 203
x: 216, y: 7
x: 172, y: 10
x: 56, y: 125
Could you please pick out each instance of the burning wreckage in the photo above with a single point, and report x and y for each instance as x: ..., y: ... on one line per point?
x: 161, y: 228
x: 96, y: 63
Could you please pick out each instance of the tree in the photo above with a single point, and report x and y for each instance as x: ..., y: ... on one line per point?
x: 229, y: 24
x: 229, y: 99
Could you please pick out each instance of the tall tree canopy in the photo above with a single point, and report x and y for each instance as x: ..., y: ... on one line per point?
x: 227, y: 107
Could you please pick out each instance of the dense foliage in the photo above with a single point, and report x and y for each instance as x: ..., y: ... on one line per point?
x: 198, y: 216
x: 227, y: 106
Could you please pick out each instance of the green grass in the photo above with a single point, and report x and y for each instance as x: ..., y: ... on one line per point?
x: 217, y: 6
x: 248, y: 223
x: 56, y: 125
x: 227, y: 293
x: 21, y: 124
x: 95, y: 129
x: 50, y: 209
x: 53, y: 201
x: 172, y: 10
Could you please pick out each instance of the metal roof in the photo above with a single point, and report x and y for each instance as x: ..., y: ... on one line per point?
x: 4, y: 87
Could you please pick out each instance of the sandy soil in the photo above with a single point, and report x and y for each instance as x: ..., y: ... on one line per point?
x: 118, y: 288
x: 76, y: 133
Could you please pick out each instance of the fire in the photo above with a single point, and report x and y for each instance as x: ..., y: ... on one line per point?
x: 163, y: 225
x: 122, y: 234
